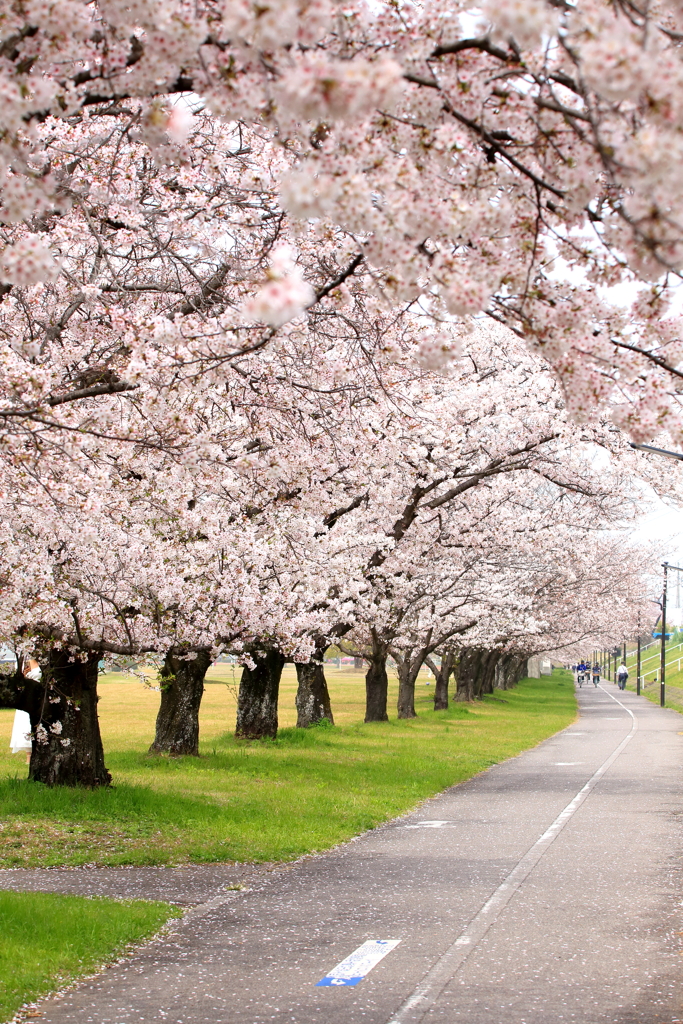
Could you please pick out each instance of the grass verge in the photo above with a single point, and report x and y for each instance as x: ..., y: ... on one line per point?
x: 272, y: 800
x: 673, y: 692
x: 46, y: 941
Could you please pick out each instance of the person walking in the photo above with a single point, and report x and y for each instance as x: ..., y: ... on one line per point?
x: 596, y: 674
x: 622, y: 676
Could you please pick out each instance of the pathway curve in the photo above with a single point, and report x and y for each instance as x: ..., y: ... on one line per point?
x: 547, y: 889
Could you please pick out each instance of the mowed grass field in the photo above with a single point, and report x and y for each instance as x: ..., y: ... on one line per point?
x: 264, y: 801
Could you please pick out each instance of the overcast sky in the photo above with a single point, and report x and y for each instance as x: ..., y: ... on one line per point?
x: 665, y: 524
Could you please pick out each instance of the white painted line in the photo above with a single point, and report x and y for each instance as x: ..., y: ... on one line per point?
x: 355, y: 967
x: 418, y: 1004
x: 436, y: 823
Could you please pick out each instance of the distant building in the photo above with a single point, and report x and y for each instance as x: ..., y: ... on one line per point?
x: 538, y: 666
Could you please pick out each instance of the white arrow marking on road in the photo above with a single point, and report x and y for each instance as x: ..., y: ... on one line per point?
x: 354, y: 968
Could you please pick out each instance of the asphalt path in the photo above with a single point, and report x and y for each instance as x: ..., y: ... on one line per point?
x: 546, y: 889
x: 187, y: 885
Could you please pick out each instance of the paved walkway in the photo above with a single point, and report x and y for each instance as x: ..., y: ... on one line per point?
x: 547, y: 889
x: 187, y: 886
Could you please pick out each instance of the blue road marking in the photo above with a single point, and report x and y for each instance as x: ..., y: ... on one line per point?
x: 337, y: 982
x: 358, y: 964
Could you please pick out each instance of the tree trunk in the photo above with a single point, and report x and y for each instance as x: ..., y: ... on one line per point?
x: 357, y: 664
x: 500, y: 675
x: 509, y: 671
x: 441, y: 681
x: 478, y: 672
x: 407, y: 674
x: 20, y: 693
x: 376, y: 684
x: 67, y: 747
x: 258, y: 695
x: 312, y: 695
x: 520, y: 671
x: 466, y: 673
x: 487, y: 678
x: 473, y: 674
x: 182, y: 687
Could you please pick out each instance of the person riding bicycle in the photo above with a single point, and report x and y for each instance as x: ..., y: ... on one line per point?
x: 596, y: 674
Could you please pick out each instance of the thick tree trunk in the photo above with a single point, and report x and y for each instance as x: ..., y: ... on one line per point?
x: 480, y: 671
x: 18, y: 692
x: 182, y: 687
x: 500, y: 673
x: 466, y: 674
x: 475, y: 673
x: 441, y: 681
x: 509, y: 670
x: 407, y: 674
x: 67, y: 747
x: 488, y: 673
x: 312, y: 696
x: 258, y: 695
x: 376, y: 684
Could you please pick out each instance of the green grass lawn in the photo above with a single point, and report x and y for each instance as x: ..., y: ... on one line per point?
x: 46, y: 940
x: 271, y: 800
x: 650, y: 664
x: 673, y: 694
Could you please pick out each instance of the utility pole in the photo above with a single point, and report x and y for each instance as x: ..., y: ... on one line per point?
x: 662, y: 670
x: 638, y: 661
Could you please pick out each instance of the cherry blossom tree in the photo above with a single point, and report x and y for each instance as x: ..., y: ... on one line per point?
x: 456, y: 443
x: 518, y: 159
x: 239, y: 245
x: 480, y: 581
x: 282, y: 511
x: 577, y: 597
